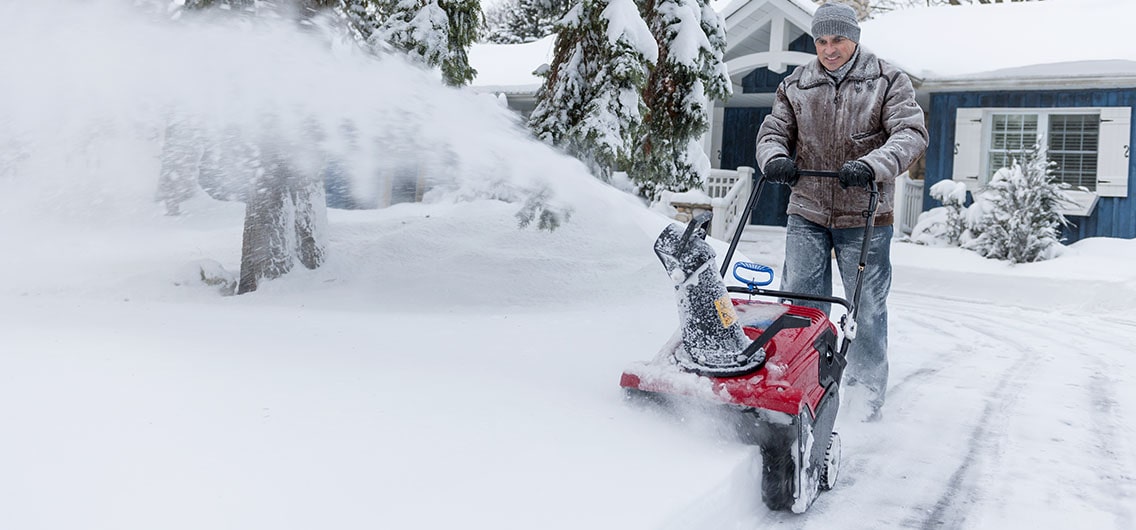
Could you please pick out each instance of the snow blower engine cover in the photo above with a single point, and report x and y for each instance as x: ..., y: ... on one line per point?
x: 712, y: 335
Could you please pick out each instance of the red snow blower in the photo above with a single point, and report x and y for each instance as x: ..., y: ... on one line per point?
x: 774, y: 368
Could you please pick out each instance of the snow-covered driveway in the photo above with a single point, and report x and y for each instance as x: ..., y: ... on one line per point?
x: 1011, y: 405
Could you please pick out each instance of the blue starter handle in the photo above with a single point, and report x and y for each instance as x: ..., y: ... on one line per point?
x: 755, y: 267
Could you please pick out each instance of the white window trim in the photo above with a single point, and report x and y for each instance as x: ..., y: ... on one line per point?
x: 972, y: 140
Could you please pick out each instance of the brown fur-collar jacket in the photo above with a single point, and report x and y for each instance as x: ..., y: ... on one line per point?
x: 872, y: 117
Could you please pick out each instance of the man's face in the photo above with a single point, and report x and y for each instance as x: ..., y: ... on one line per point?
x: 834, y: 50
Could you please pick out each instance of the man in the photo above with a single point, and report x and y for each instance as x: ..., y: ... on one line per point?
x: 852, y: 112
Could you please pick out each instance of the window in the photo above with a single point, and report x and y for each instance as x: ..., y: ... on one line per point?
x: 1010, y: 134
x: 1089, y: 145
x: 1072, y: 141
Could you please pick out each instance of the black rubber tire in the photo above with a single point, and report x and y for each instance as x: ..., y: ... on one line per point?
x: 778, y: 475
x: 830, y: 468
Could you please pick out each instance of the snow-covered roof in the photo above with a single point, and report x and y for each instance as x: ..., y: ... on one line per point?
x: 508, y: 68
x: 996, y: 43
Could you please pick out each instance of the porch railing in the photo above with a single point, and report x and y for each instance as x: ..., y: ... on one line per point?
x: 909, y: 202
x: 729, y: 191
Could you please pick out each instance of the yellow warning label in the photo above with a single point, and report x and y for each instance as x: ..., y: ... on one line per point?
x: 726, y: 312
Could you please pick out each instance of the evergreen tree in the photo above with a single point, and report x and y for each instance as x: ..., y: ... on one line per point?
x: 361, y: 18
x: 435, y: 32
x: 689, y: 74
x: 523, y: 21
x: 1017, y: 215
x: 591, y: 102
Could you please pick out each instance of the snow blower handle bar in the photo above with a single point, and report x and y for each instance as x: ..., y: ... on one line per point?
x: 817, y: 173
x: 872, y: 187
x: 869, y: 224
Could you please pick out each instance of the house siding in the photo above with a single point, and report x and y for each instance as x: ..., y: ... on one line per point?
x: 1113, y: 216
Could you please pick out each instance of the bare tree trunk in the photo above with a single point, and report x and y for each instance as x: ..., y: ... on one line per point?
x: 285, y: 221
x: 311, y: 222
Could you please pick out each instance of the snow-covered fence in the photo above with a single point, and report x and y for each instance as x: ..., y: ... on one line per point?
x: 909, y: 203
x: 729, y: 192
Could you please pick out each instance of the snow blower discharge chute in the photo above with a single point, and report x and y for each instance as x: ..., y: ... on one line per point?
x: 773, y: 367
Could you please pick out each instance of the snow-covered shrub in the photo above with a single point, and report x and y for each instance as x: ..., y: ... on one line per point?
x: 945, y: 224
x: 1017, y: 216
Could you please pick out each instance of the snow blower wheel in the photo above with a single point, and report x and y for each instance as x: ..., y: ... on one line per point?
x: 786, y: 474
x: 831, y: 468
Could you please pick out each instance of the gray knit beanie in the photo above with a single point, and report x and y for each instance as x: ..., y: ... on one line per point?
x: 836, y: 19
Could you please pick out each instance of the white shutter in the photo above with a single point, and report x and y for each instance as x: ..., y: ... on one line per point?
x: 1112, y: 154
x: 968, y: 147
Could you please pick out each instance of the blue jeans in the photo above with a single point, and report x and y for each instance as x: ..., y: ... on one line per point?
x: 808, y: 269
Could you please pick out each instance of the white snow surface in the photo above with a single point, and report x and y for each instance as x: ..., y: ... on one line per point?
x: 447, y: 369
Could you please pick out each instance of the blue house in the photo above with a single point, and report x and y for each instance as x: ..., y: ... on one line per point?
x: 1058, y: 72
x: 993, y: 79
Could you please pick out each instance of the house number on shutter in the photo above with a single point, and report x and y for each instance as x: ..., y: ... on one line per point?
x: 957, y: 149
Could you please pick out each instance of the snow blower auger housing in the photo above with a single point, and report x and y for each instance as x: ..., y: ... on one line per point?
x: 774, y: 368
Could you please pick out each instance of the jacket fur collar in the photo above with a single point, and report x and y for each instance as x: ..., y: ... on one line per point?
x: 866, y: 67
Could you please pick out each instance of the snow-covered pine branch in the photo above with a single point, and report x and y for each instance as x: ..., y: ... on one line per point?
x: 437, y: 33
x: 520, y: 21
x: 690, y: 72
x: 591, y: 103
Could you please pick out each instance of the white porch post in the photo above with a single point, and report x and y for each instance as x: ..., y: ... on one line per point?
x: 712, y: 138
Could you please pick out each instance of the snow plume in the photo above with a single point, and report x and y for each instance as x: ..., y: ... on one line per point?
x: 97, y: 90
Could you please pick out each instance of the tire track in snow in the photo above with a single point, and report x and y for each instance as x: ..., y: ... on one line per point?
x: 953, y: 505
x: 930, y: 369
x: 952, y: 508
x: 1118, y: 480
x: 1005, y: 333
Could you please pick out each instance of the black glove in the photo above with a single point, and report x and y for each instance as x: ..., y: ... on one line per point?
x: 781, y: 170
x: 855, y: 174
